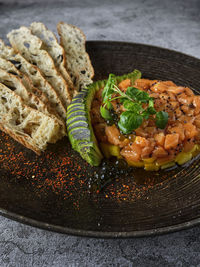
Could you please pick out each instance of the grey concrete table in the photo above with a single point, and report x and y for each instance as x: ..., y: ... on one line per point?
x: 174, y: 25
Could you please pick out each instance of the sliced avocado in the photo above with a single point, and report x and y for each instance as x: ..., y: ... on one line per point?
x: 79, y: 127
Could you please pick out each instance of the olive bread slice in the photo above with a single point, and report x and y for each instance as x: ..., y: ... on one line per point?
x: 31, y: 48
x: 35, y: 76
x: 26, y: 125
x: 78, y: 62
x: 15, y: 84
x: 55, y: 50
x: 10, y: 68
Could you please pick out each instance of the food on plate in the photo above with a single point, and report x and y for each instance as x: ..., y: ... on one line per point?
x: 78, y: 62
x: 149, y: 123
x: 32, y: 128
x: 80, y: 130
x: 35, y: 75
x: 15, y: 84
x: 55, y: 50
x: 11, y: 69
x: 32, y: 49
x: 35, y: 71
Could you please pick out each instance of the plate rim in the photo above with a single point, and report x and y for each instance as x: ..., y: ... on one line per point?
x: 99, y: 234
x: 146, y: 45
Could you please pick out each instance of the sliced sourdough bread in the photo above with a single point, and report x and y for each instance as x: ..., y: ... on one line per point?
x: 78, y: 63
x: 26, y: 125
x: 31, y: 48
x: 10, y: 68
x: 15, y: 84
x: 35, y: 76
x: 55, y: 50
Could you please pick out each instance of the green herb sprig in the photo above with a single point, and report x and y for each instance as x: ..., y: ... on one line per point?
x: 132, y: 101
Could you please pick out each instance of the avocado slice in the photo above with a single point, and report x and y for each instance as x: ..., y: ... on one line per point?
x: 79, y: 127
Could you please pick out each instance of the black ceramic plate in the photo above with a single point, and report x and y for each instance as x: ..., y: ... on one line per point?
x: 51, y: 191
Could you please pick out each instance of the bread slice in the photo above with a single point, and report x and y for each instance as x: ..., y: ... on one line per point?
x: 35, y: 76
x: 28, y: 126
x: 31, y: 48
x: 16, y: 85
x: 78, y: 63
x: 10, y: 68
x: 55, y: 50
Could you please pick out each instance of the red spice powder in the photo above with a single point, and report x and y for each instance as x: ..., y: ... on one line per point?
x: 62, y: 171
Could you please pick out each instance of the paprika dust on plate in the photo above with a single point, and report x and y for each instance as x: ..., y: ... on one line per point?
x: 61, y: 170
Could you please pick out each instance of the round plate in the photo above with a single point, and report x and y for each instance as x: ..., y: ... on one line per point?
x: 51, y: 191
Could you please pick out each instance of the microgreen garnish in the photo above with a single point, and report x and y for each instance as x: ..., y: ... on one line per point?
x: 132, y: 100
x: 129, y: 121
x: 161, y: 119
x: 105, y: 113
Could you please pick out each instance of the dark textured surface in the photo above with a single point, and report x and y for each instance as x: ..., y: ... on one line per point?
x: 173, y: 25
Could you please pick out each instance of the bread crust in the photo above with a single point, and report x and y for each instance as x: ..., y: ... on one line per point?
x: 55, y: 50
x: 28, y: 126
x: 20, y: 139
x: 36, y: 77
x: 30, y: 47
x: 80, y: 80
x: 29, y: 98
x: 10, y: 68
